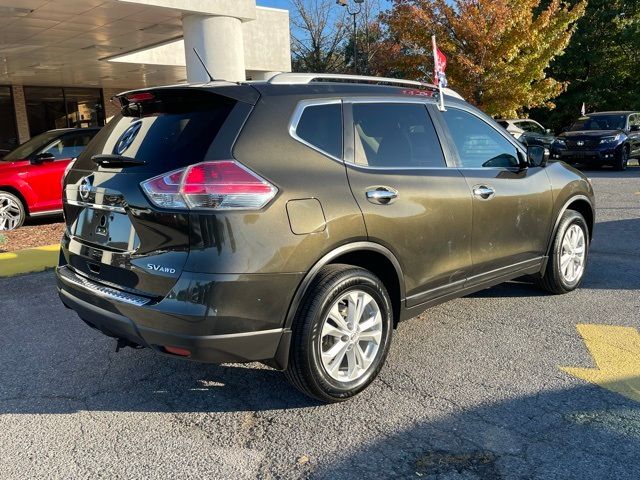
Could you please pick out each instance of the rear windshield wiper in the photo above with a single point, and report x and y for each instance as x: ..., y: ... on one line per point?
x: 109, y: 160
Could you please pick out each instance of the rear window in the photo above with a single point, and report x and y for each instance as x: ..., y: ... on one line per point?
x: 321, y: 127
x: 167, y: 133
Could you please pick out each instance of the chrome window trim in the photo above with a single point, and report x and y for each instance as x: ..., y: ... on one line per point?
x: 297, y: 115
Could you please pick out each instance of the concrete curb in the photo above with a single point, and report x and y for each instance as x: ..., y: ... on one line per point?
x: 28, y: 260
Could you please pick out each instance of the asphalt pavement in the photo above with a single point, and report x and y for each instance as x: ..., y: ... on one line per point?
x: 472, y: 389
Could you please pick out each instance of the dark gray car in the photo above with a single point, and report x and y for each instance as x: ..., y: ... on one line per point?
x: 297, y: 221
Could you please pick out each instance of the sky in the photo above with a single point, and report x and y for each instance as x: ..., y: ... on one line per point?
x: 284, y: 3
x: 274, y: 3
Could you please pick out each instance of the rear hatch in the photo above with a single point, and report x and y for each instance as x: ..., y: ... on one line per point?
x: 115, y: 235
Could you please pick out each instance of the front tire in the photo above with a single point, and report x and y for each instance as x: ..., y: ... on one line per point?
x: 341, y: 334
x: 623, y: 160
x: 569, y: 254
x: 12, y: 211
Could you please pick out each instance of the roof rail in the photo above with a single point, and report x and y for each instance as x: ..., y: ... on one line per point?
x: 306, y: 78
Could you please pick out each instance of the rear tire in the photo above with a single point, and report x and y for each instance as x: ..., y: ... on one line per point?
x: 569, y: 255
x: 12, y: 211
x: 341, y: 334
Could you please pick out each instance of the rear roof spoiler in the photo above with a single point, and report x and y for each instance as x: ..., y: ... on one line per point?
x: 240, y: 92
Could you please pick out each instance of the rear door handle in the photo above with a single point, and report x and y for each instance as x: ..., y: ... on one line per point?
x: 382, y: 195
x: 483, y: 192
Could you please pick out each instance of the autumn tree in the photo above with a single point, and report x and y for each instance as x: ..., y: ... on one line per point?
x: 498, y: 50
x: 319, y: 30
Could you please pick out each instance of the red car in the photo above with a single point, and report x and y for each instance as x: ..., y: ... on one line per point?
x: 31, y: 175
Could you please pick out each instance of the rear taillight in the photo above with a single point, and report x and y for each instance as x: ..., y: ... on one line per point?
x: 219, y: 185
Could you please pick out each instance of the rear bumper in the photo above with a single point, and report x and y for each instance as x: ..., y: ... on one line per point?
x: 164, y: 324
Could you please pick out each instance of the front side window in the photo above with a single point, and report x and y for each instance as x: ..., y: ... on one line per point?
x: 394, y: 135
x: 321, y: 127
x: 69, y: 146
x: 479, y: 144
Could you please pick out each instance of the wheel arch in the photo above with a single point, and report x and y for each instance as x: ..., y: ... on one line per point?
x: 581, y: 204
x: 372, y: 256
x: 14, y: 191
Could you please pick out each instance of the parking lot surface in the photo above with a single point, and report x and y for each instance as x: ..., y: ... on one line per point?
x: 472, y: 389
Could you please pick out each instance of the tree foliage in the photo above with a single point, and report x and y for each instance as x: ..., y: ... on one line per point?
x: 319, y: 30
x: 498, y: 50
x: 601, y: 63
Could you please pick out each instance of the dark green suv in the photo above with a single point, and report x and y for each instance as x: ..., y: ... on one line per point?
x: 297, y: 221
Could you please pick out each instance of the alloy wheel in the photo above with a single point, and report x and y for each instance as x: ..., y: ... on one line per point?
x: 10, y: 213
x: 573, y: 254
x: 351, y: 336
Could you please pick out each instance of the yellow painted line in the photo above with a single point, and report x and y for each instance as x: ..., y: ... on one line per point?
x: 28, y: 260
x: 616, y: 353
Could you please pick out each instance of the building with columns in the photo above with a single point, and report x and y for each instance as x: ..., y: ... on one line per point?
x: 62, y: 60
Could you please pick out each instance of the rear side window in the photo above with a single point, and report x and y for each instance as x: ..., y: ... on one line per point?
x: 478, y: 143
x: 395, y: 135
x: 171, y: 132
x: 321, y: 127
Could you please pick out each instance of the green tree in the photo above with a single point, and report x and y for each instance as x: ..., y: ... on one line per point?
x: 498, y: 50
x: 601, y: 63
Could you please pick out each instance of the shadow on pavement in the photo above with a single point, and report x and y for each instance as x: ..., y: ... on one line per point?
x: 580, y: 433
x: 632, y: 171
x: 614, y: 263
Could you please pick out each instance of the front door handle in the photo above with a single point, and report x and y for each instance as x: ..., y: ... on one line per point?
x: 382, y: 195
x: 483, y: 192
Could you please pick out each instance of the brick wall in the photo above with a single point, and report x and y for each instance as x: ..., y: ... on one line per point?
x: 21, y: 113
x: 110, y: 108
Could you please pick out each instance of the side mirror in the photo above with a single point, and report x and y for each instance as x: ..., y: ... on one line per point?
x: 538, y: 156
x: 43, y: 157
x: 635, y: 128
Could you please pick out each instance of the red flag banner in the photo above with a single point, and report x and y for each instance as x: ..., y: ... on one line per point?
x: 440, y: 65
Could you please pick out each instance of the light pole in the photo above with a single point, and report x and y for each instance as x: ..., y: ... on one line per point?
x: 345, y: 3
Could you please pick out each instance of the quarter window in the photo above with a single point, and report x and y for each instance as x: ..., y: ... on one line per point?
x: 478, y: 143
x: 321, y: 127
x: 394, y: 135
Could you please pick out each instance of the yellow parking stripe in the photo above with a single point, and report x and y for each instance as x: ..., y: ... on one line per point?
x: 616, y: 353
x: 28, y: 260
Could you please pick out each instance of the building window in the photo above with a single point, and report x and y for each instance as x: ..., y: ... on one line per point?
x: 8, y: 128
x: 57, y: 107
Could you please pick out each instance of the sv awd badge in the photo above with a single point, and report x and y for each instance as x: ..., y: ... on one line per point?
x: 160, y: 268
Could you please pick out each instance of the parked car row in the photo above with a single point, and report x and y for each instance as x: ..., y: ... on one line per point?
x: 597, y: 139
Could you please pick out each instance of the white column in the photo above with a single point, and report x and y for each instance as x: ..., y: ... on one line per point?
x: 219, y: 42
x: 263, y: 75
